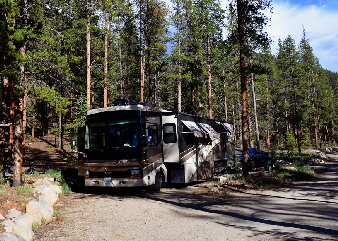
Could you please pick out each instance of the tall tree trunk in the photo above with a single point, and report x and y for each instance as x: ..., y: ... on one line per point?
x: 142, y: 53
x: 142, y: 76
x: 268, y: 133
x: 4, y: 121
x: 332, y: 131
x: 11, y: 122
x: 244, y: 91
x: 255, y: 113
x: 225, y: 100
x: 3, y: 146
x: 88, y: 40
x: 122, y: 88
x: 33, y: 124
x: 286, y: 116
x: 17, y: 149
x: 18, y: 116
x: 179, y: 93
x: 60, y: 142
x: 316, y: 125
x: 105, y: 92
x: 24, y: 82
x: 235, y: 126
x: 179, y: 82
x: 16, y: 137
x: 156, y: 89
x: 209, y: 81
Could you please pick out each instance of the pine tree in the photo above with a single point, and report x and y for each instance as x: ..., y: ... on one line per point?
x: 295, y: 97
x: 250, y: 35
x: 19, y: 25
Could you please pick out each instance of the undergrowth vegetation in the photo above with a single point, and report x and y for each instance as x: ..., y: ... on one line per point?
x: 25, y: 188
x: 287, y: 168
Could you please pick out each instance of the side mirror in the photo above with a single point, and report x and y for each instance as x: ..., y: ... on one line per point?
x: 73, y: 145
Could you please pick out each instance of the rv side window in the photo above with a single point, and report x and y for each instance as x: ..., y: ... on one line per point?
x: 188, y: 136
x: 151, y: 135
x: 169, y: 133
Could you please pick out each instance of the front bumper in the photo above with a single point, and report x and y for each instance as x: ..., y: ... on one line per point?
x: 118, y: 182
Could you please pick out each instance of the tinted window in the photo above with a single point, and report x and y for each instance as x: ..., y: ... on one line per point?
x: 151, y: 135
x: 169, y: 133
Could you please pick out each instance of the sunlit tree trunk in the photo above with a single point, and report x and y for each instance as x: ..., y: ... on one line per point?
x: 105, y: 91
x: 16, y: 138
x: 142, y: 54
x: 209, y: 81
x: 225, y: 100
x: 244, y: 91
x: 142, y: 76
x: 88, y: 40
x: 255, y: 113
x: 179, y: 82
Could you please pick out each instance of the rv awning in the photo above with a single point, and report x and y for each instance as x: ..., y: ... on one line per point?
x: 227, y: 127
x: 198, y: 131
x: 211, y: 131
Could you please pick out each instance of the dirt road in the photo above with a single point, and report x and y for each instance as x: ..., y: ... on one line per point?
x: 304, y: 211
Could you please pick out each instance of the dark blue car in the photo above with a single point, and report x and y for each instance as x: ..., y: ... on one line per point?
x: 259, y: 159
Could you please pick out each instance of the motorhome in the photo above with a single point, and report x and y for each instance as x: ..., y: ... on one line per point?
x: 136, y: 145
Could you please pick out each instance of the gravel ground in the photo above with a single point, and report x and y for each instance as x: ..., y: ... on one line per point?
x: 304, y: 211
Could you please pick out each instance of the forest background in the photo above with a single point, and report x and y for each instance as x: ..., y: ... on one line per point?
x: 59, y: 58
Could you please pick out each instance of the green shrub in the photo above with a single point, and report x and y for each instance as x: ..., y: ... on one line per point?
x: 290, y: 143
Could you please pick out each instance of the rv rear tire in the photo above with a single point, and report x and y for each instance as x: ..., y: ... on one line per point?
x: 158, y: 181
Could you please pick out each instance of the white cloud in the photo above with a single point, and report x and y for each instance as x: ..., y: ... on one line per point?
x: 320, y: 25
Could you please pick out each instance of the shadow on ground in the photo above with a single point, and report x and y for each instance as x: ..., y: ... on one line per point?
x: 303, y: 211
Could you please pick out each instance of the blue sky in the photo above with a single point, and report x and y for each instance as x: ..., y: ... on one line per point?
x: 320, y: 20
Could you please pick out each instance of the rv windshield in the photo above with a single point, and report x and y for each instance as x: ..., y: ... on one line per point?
x: 112, y: 133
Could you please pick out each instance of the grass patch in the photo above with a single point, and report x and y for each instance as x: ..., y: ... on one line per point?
x: 2, y: 191
x: 43, y: 221
x: 2, y: 180
x: 53, y: 174
x: 281, y: 176
x: 35, y: 174
x: 22, y: 199
x: 296, y: 173
x: 225, y: 194
x: 65, y: 188
x: 24, y: 189
x: 57, y: 212
x: 36, y: 226
x: 56, y: 174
